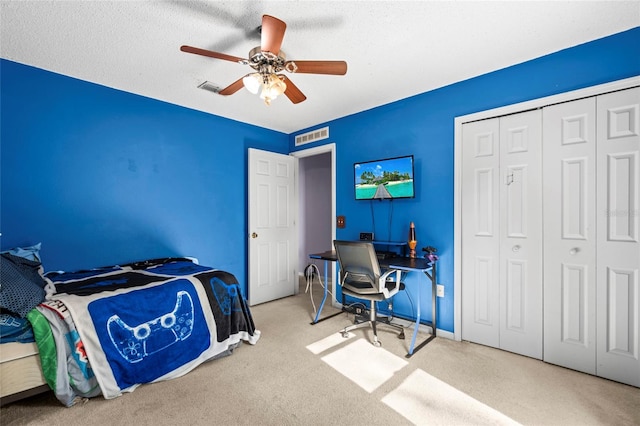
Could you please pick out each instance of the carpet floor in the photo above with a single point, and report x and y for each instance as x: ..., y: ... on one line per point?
x: 303, y: 374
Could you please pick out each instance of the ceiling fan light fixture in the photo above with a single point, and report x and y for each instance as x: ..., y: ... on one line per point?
x: 272, y: 88
x: 277, y: 85
x: 252, y: 82
x: 267, y: 60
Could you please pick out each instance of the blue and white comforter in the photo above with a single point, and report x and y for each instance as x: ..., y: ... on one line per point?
x: 152, y: 321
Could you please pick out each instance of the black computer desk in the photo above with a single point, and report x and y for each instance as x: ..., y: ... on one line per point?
x: 408, y: 264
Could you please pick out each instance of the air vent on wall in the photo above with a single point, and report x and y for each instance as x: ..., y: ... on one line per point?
x: 209, y: 87
x: 312, y: 136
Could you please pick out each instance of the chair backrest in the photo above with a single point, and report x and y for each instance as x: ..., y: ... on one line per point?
x: 359, y: 268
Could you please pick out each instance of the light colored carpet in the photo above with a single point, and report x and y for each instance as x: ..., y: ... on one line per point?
x: 364, y: 364
x: 302, y: 374
x: 441, y: 404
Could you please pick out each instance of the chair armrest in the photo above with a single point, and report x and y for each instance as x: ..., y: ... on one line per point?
x: 383, y: 279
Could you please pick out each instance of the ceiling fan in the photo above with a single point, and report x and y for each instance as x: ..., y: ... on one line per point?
x: 268, y: 60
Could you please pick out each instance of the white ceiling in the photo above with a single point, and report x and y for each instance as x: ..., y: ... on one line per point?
x: 394, y: 49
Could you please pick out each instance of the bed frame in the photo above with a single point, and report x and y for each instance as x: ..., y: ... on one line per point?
x: 20, y: 372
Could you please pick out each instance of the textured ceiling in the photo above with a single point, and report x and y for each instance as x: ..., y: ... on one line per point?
x: 394, y: 49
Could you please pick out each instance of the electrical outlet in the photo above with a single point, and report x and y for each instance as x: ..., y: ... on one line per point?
x: 439, y: 290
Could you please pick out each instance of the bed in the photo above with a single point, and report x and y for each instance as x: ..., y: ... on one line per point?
x: 108, y: 330
x: 20, y: 372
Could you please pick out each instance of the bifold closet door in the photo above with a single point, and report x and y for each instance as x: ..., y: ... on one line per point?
x: 569, y: 201
x: 591, y: 235
x: 502, y: 233
x: 618, y: 217
x: 481, y: 232
x: 521, y: 233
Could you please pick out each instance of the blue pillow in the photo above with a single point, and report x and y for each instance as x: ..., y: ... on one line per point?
x: 31, y: 252
x: 21, y: 284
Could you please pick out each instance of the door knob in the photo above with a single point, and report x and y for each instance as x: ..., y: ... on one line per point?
x: 574, y: 251
x: 254, y: 235
x: 515, y: 248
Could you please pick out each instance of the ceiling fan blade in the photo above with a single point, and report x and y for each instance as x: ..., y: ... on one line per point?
x: 272, y: 34
x: 212, y: 54
x: 317, y: 67
x: 292, y: 92
x: 232, y: 88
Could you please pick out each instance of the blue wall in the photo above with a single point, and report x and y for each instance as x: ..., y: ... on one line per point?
x: 423, y: 125
x: 101, y: 176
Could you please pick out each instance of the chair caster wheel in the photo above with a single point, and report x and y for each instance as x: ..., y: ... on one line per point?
x: 401, y: 336
x: 377, y: 343
x: 345, y: 334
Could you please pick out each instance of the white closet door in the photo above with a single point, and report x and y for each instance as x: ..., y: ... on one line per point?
x: 569, y: 200
x: 618, y: 215
x: 520, y: 189
x: 502, y: 233
x: 480, y: 232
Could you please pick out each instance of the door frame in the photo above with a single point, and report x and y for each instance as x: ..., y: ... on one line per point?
x: 309, y: 152
x: 496, y: 112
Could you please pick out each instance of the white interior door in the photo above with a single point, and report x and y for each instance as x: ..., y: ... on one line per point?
x: 521, y: 233
x: 480, y: 232
x: 273, y: 239
x: 618, y: 217
x: 570, y: 234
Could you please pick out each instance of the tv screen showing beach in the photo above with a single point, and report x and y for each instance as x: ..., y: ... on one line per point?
x: 384, y: 179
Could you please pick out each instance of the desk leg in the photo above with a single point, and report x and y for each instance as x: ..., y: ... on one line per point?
x: 324, y: 298
x: 431, y: 278
x: 415, y: 329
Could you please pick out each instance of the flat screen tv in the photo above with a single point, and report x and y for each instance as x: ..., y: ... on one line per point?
x: 389, y: 178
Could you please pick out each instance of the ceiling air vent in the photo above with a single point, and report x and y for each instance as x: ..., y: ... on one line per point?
x: 312, y: 136
x: 209, y: 87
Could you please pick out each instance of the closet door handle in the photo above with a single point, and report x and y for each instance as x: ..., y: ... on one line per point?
x: 574, y: 251
x: 515, y: 248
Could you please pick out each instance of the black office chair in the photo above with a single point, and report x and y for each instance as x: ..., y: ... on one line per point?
x: 360, y: 277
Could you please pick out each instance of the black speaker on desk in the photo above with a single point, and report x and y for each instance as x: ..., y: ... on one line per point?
x: 366, y: 236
